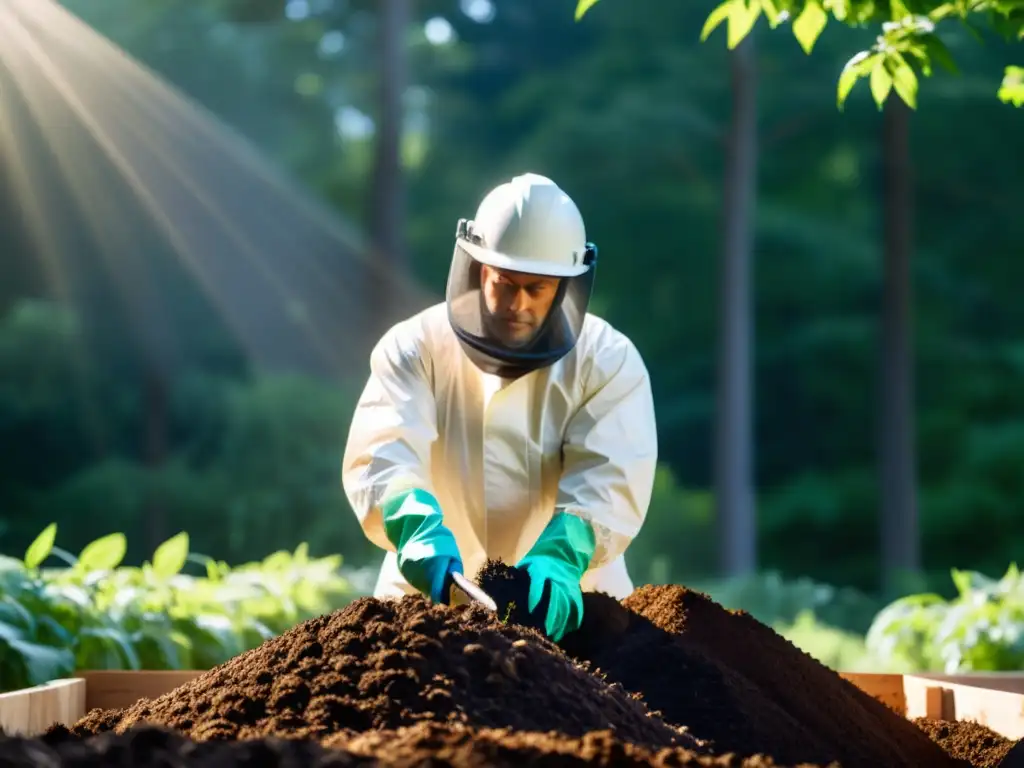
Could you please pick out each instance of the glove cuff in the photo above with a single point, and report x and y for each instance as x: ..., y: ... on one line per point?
x: 408, y: 513
x: 568, y: 539
x: 426, y: 550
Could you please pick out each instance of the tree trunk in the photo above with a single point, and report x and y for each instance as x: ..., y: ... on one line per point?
x: 734, y: 495
x: 388, y: 199
x: 155, y: 451
x: 899, y: 524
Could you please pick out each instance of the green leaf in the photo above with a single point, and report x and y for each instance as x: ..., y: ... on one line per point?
x: 40, y: 663
x: 214, y: 639
x: 40, y: 549
x: 583, y: 6
x: 1011, y: 579
x: 905, y: 82
x: 105, y: 648
x: 854, y: 69
x: 962, y: 580
x: 17, y: 615
x: 104, y: 554
x: 838, y: 8
x: 742, y: 18
x: 170, y: 557
x: 51, y: 632
x: 715, y: 18
x: 881, y: 83
x: 11, y: 632
x: 772, y: 13
x: 1012, y: 89
x: 809, y: 25
x: 213, y: 570
x: 277, y: 561
x: 160, y: 646
x: 899, y: 9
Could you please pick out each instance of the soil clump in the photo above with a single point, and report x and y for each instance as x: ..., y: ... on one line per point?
x: 979, y: 745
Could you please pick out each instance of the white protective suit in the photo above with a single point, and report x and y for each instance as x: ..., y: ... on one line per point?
x: 503, y: 456
x: 507, y: 434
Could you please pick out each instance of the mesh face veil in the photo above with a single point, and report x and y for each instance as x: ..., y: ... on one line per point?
x: 513, y: 321
x: 521, y: 277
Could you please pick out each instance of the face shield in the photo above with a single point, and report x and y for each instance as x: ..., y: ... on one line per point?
x: 510, y: 317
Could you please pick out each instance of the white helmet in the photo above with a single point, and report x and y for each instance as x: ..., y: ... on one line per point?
x: 524, y: 229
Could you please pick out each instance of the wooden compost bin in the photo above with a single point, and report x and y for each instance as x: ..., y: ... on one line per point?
x: 993, y: 699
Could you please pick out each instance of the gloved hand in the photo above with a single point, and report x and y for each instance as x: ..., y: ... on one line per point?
x: 556, y: 563
x: 427, y: 552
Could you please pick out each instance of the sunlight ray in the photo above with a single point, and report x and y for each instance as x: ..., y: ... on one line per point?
x: 140, y: 162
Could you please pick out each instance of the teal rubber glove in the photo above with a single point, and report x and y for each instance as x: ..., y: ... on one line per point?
x: 427, y: 552
x: 556, y: 564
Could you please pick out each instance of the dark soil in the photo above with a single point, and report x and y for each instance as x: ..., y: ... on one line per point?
x: 427, y: 744
x: 727, y: 678
x: 667, y: 678
x: 979, y: 745
x: 1014, y: 757
x: 379, y: 665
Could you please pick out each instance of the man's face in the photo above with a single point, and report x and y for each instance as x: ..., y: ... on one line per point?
x: 517, y: 303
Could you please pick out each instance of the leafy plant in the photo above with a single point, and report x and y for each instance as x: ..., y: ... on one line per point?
x: 981, y: 629
x: 907, y: 44
x: 95, y: 613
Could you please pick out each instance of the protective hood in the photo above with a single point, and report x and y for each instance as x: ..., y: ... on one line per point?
x: 474, y: 325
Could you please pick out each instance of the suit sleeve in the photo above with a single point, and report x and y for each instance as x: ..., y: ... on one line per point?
x: 392, y: 431
x: 610, y: 453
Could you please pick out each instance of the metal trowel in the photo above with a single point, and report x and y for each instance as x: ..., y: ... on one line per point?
x: 464, y: 591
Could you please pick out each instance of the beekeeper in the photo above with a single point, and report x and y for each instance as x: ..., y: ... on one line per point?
x: 507, y: 422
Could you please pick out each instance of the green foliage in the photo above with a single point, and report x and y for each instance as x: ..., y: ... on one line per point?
x: 980, y: 630
x: 835, y: 648
x: 97, y: 614
x: 774, y: 600
x: 907, y: 44
x: 253, y: 464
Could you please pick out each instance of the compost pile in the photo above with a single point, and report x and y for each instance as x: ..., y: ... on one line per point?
x: 665, y: 678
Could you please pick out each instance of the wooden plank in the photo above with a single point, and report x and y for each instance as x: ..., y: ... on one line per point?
x: 119, y: 689
x: 31, y: 711
x: 1011, y: 682
x: 887, y: 688
x: 988, y: 703
x: 994, y: 699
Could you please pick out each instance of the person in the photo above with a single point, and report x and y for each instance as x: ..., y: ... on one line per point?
x: 507, y: 422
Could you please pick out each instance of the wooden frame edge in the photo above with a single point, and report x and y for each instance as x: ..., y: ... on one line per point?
x: 31, y: 711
